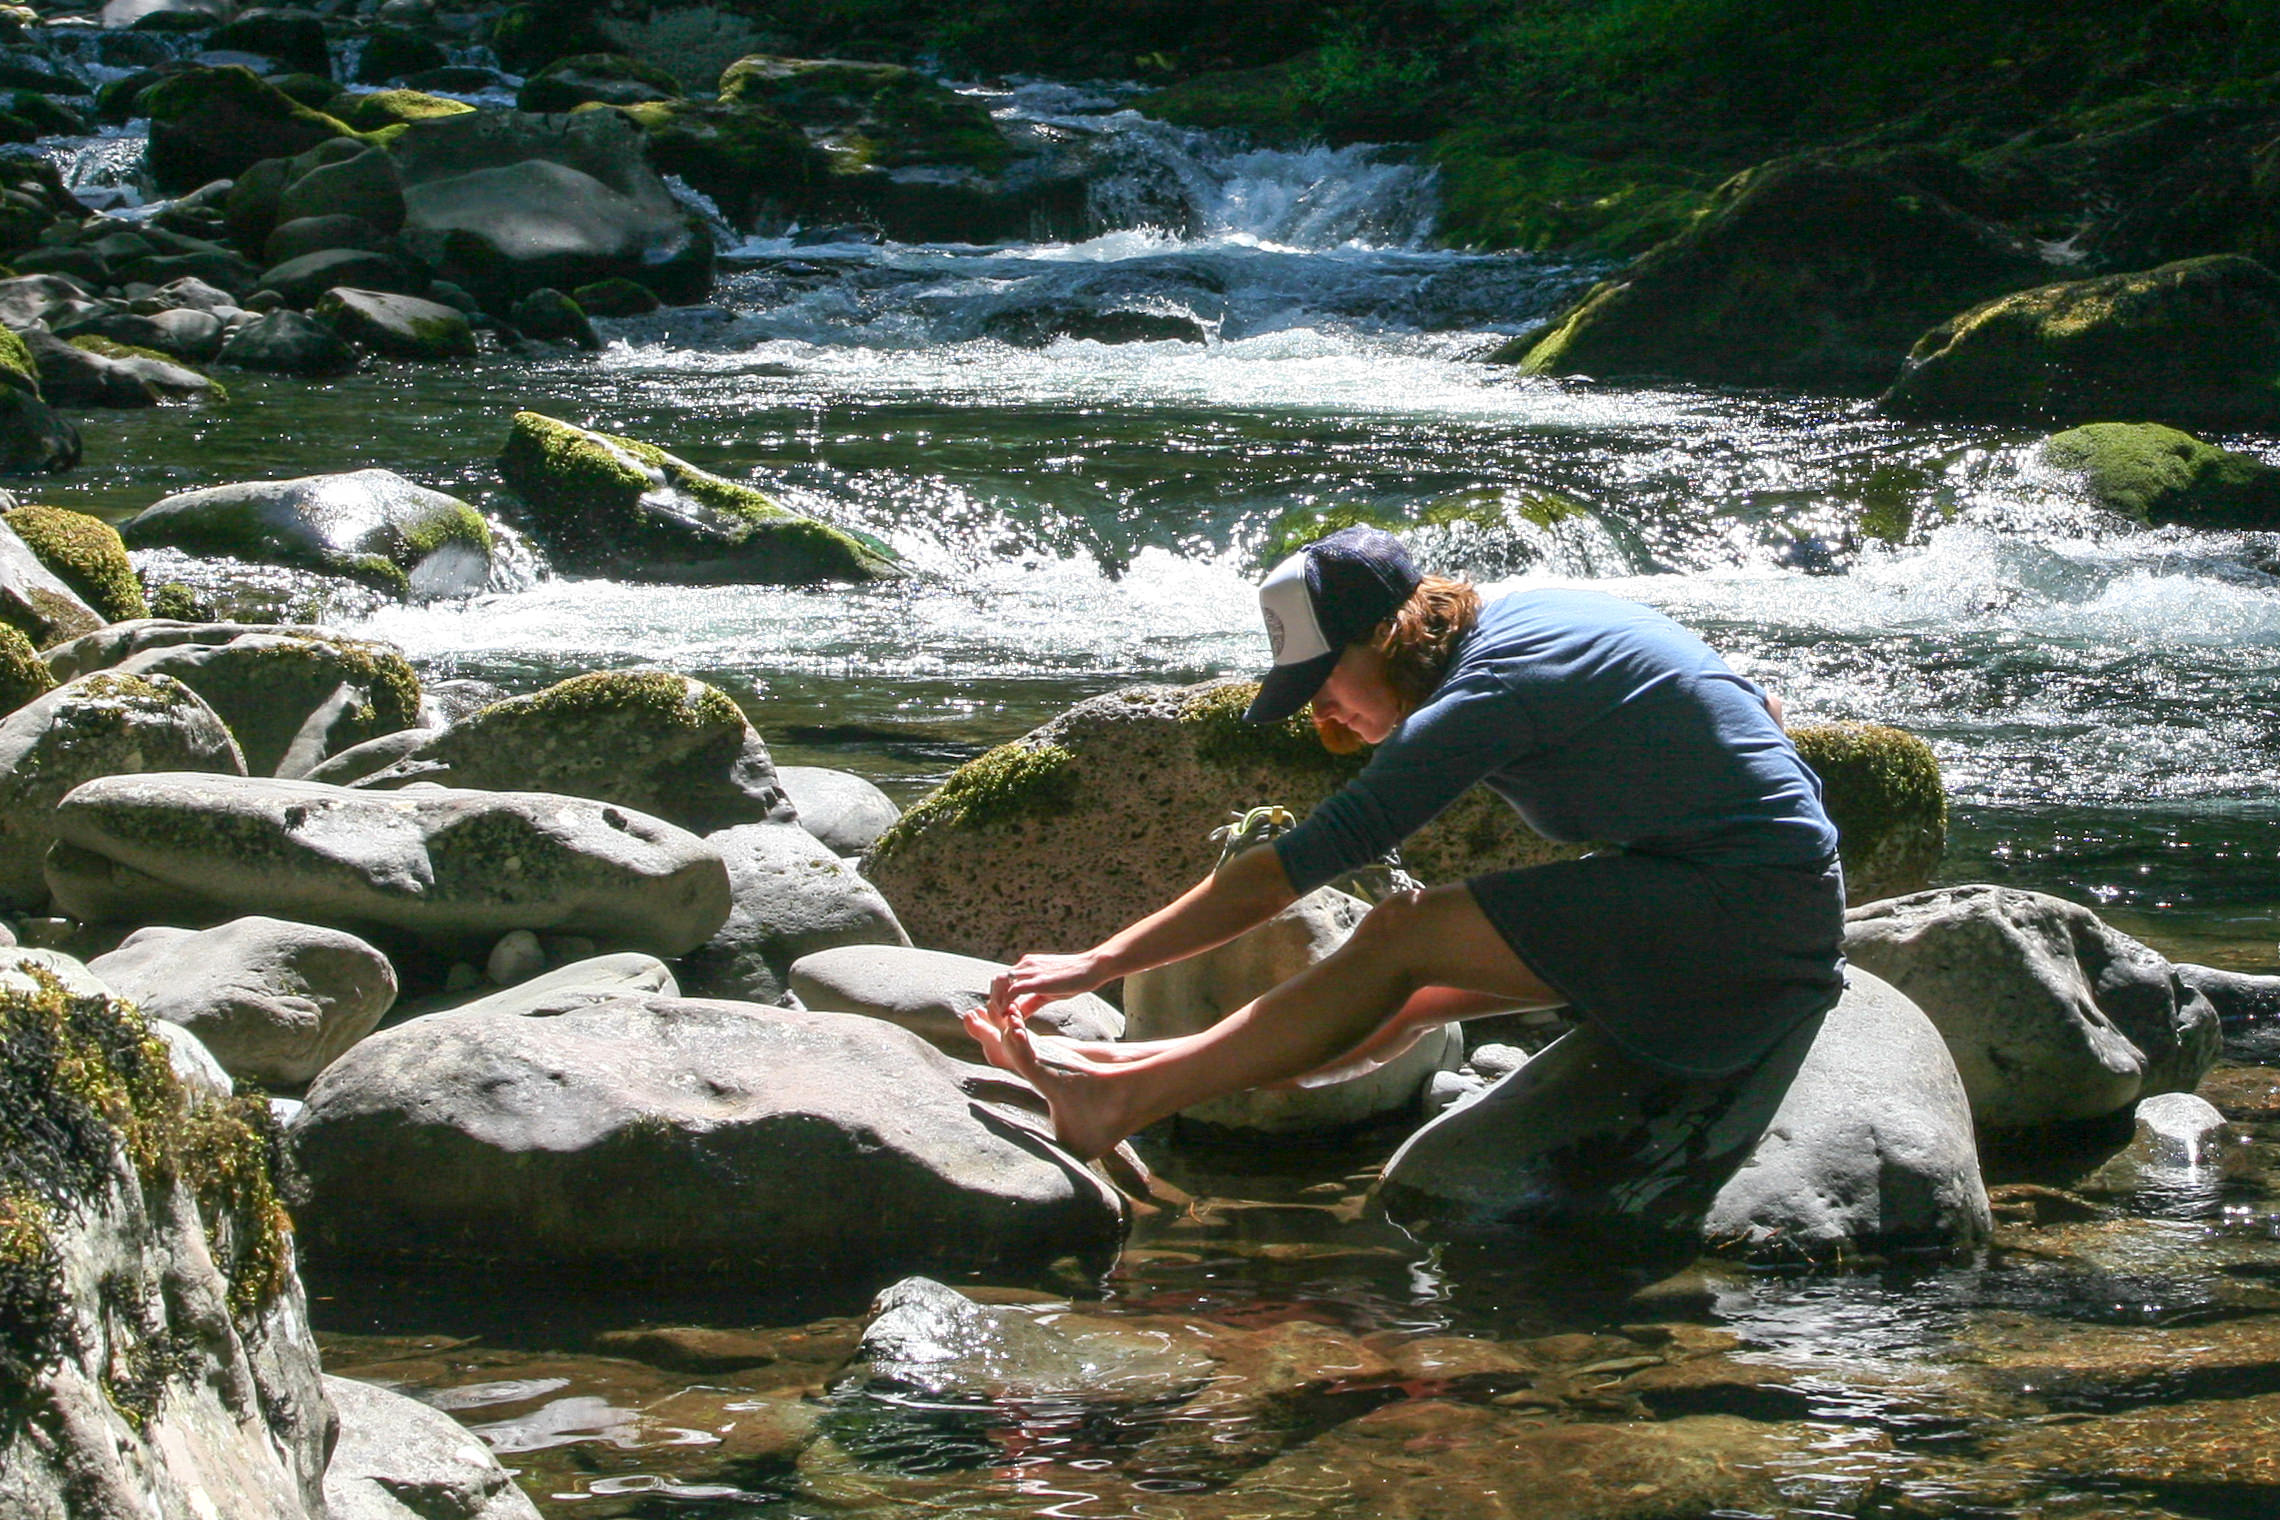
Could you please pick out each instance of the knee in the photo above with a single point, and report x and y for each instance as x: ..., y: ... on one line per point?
x: 1393, y: 922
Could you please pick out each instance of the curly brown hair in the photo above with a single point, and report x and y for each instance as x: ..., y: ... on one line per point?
x: 1419, y: 640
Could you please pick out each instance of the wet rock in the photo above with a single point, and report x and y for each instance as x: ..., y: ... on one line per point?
x: 302, y: 281
x: 395, y: 52
x: 794, y: 898
x: 1194, y: 994
x: 86, y: 554
x: 2051, y: 1014
x: 399, y: 1459
x: 33, y: 600
x: 1854, y: 1136
x: 92, y: 371
x: 748, y: 1128
x: 373, y: 523
x: 1801, y: 274
x: 105, y: 724
x: 926, y: 992
x: 276, y: 1002
x: 600, y: 499
x: 650, y: 739
x: 550, y: 315
x: 440, y: 865
x: 288, y: 343
x: 214, y: 123
x: 2160, y: 476
x: 2193, y: 344
x: 843, y: 810
x: 609, y: 78
x: 928, y: 1339
x: 2238, y: 996
x: 2216, y: 1448
x: 400, y: 326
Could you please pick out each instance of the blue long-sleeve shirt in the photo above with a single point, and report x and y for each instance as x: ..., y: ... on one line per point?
x: 1598, y: 720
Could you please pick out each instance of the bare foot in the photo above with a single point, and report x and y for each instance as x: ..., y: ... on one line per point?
x: 1085, y: 1102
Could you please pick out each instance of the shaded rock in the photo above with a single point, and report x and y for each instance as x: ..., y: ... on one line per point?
x: 665, y: 1137
x: 2050, y: 1013
x: 389, y: 108
x: 2159, y: 476
x: 364, y: 522
x: 1194, y: 994
x: 1854, y: 1136
x: 2201, y: 1446
x: 98, y: 372
x: 650, y: 739
x: 301, y: 281
x: 2194, y: 344
x: 394, y: 52
x: 213, y: 266
x: 515, y: 958
x: 600, y: 499
x: 752, y: 163
x: 400, y: 326
x: 551, y: 315
x: 183, y: 334
x: 1801, y: 274
x: 611, y: 79
x: 288, y: 343
x: 529, y: 37
x: 86, y: 554
x: 296, y: 39
x: 317, y: 234
x: 928, y: 991
x: 445, y: 866
x: 105, y: 724
x: 2239, y: 997
x: 276, y: 1002
x: 33, y: 600
x: 399, y: 1459
x: 373, y: 756
x: 35, y: 298
x: 794, y: 898
x: 843, y: 810
x: 33, y: 439
x: 616, y: 298
x: 215, y: 123
x: 363, y: 184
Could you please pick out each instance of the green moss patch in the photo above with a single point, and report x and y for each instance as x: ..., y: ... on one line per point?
x: 664, y: 699
x: 396, y: 108
x: 85, y: 554
x: 23, y: 674
x: 16, y: 359
x: 1010, y: 783
x: 1882, y: 789
x: 2159, y: 475
x: 1215, y: 721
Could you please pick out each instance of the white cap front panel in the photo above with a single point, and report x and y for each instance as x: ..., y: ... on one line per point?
x: 1289, y: 612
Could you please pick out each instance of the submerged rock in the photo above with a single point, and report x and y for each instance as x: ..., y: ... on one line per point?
x: 2051, y: 1014
x: 2160, y: 476
x: 794, y: 897
x: 443, y: 866
x: 928, y: 992
x: 665, y: 1138
x: 400, y: 1459
x: 276, y: 1002
x: 371, y: 523
x: 1854, y: 1136
x: 597, y: 499
x: 932, y: 1340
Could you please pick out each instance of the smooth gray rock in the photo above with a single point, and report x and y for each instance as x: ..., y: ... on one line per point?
x: 446, y: 866
x: 48, y: 298
x: 303, y: 280
x: 328, y: 522
x: 399, y: 1459
x: 291, y: 700
x: 2178, y: 1128
x: 399, y: 326
x: 104, y: 724
x: 671, y: 1137
x: 276, y: 1002
x: 194, y: 1065
x: 2051, y: 1014
x: 515, y: 958
x: 42, y: 607
x: 581, y: 984
x: 362, y: 185
x: 794, y: 897
x: 926, y: 992
x: 843, y: 810
x: 314, y: 234
x: 289, y: 343
x: 358, y: 761
x: 1853, y: 1136
x: 72, y: 376
x: 184, y: 332
x: 2239, y: 997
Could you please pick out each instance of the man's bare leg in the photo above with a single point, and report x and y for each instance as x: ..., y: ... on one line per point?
x: 1434, y: 938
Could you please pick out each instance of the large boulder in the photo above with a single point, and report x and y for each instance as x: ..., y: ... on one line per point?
x: 275, y: 1002
x: 214, y: 123
x: 599, y: 500
x: 158, y: 1353
x: 1802, y: 274
x: 335, y: 182
x: 1854, y: 1136
x: 794, y: 897
x: 667, y: 744
x: 2051, y: 1013
x: 928, y: 992
x: 400, y: 1459
x: 505, y: 203
x: 105, y: 724
x: 660, y: 1138
x: 399, y: 326
x: 86, y: 554
x: 1196, y: 993
x: 1123, y: 791
x: 33, y: 600
x: 370, y: 523
x: 2194, y: 344
x: 843, y: 810
x: 752, y: 163
x: 2158, y: 475
x: 443, y: 866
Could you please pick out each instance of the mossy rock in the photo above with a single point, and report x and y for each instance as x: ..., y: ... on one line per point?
x: 2195, y: 344
x: 86, y: 554
x: 23, y: 674
x: 749, y: 160
x: 209, y: 124
x: 605, y: 500
x: 17, y: 366
x: 2160, y: 476
x: 392, y: 52
x: 616, y: 298
x: 393, y: 108
x: 1882, y: 789
x: 1538, y: 199
x: 529, y: 37
x: 875, y: 115
x: 610, y: 79
x: 312, y: 90
x: 162, y: 372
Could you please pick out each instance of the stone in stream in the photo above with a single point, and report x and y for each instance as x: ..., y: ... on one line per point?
x: 2177, y: 1139
x: 929, y: 1339
x: 610, y: 78
x: 670, y: 1138
x: 843, y: 810
x: 182, y: 333
x: 2051, y: 1014
x: 2160, y: 476
x: 23, y: 674
x: 392, y: 52
x: 314, y: 234
x: 369, y: 522
x: 1122, y: 792
x: 395, y: 1449
x: 399, y: 326
x: 1853, y: 1137
x: 302, y: 282
x: 548, y: 314
x: 276, y: 1002
x: 2218, y: 1449
x: 927, y: 991
x: 601, y: 500
x: 91, y: 371
x: 289, y: 343
x: 212, y: 123
x: 2193, y: 344
x: 86, y: 554
x: 445, y: 867
x: 665, y: 743
x: 105, y: 724
x: 334, y: 180
x: 1196, y: 993
x: 794, y: 898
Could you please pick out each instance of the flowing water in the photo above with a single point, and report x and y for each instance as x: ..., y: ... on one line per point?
x: 1089, y: 514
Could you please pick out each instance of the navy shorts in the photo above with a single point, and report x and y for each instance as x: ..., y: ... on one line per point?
x: 1696, y: 970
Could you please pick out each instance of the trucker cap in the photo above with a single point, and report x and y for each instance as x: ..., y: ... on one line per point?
x: 1328, y: 595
